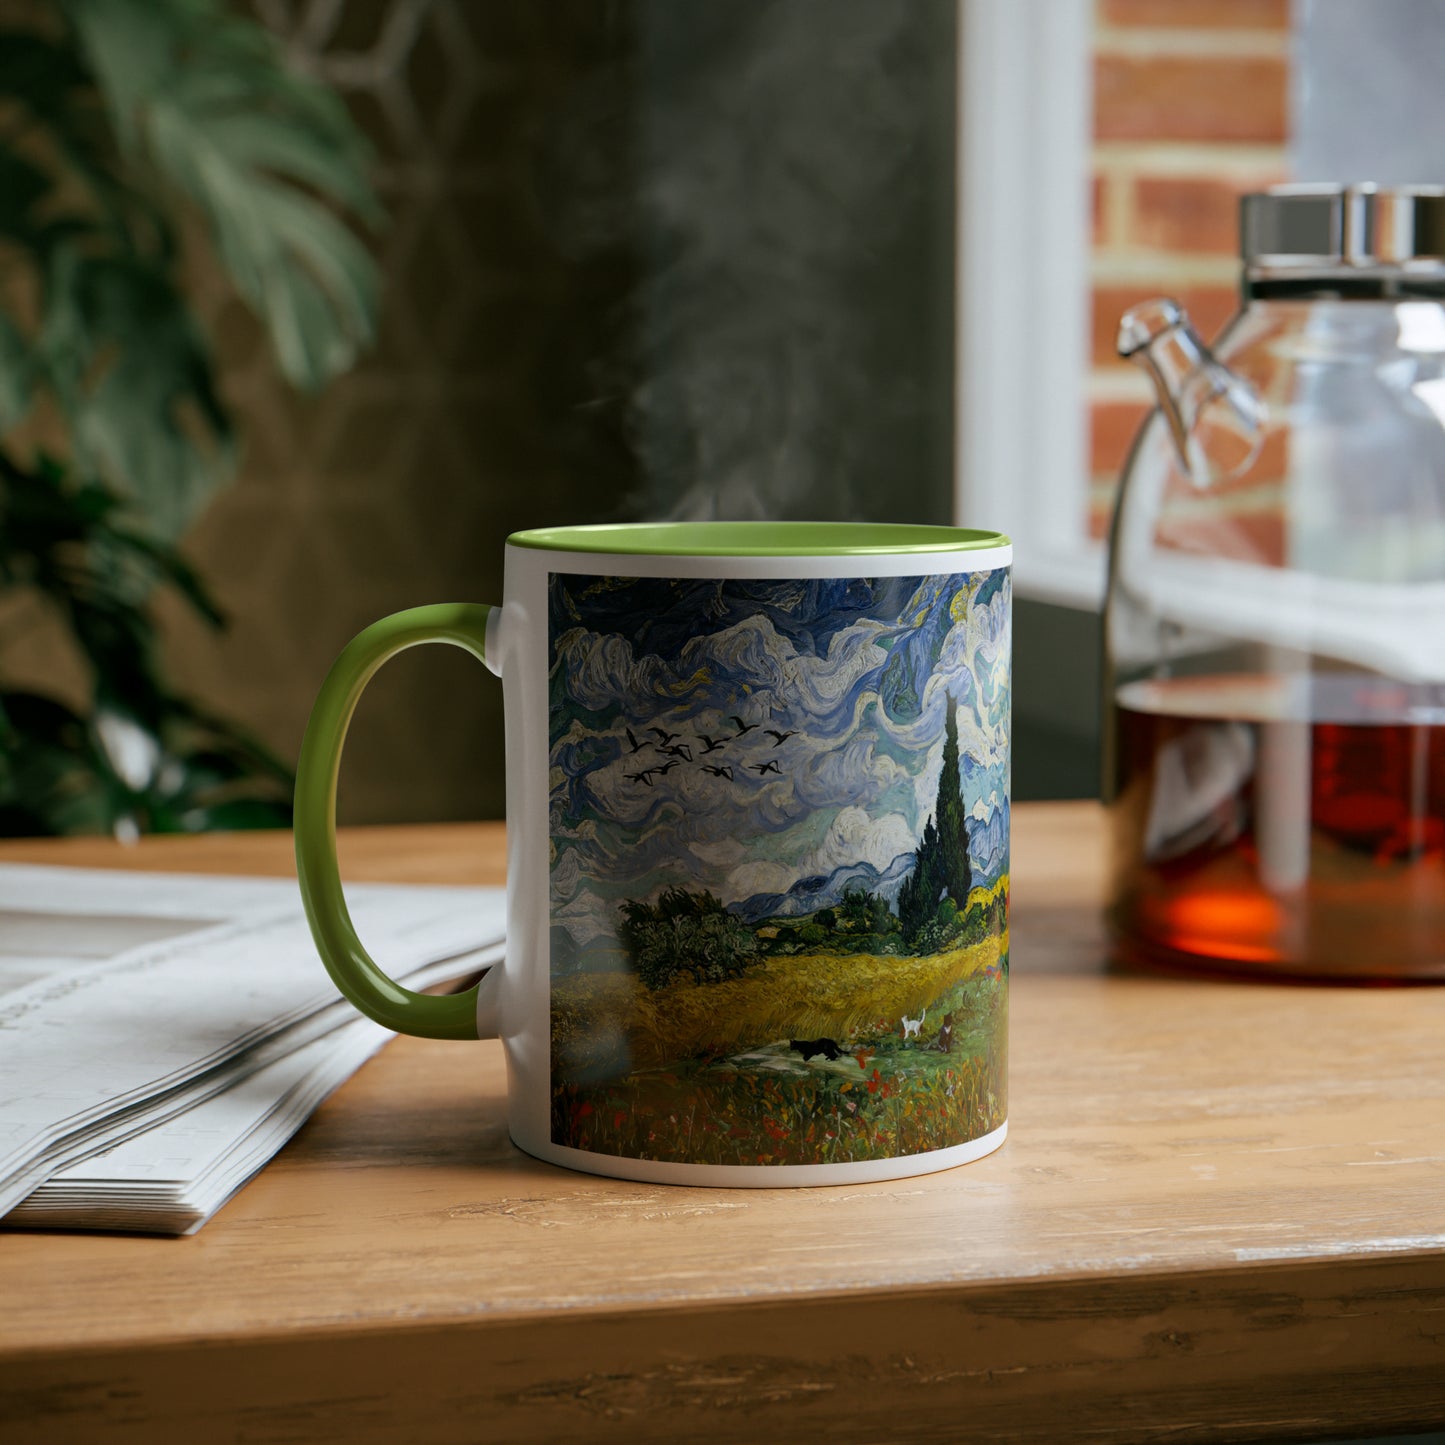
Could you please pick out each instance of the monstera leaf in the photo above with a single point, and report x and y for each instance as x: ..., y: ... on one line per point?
x: 131, y: 369
x: 203, y: 99
x: 144, y: 111
x: 126, y: 126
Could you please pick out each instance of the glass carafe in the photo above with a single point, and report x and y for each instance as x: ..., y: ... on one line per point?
x: 1275, y: 627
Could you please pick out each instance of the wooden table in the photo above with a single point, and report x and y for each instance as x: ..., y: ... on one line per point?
x: 1220, y: 1214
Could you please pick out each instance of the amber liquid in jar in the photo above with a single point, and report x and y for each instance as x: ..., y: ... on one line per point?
x: 1273, y: 825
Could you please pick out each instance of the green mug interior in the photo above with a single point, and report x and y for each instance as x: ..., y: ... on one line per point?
x: 758, y: 539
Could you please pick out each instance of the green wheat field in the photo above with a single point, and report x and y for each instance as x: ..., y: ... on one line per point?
x: 706, y: 1073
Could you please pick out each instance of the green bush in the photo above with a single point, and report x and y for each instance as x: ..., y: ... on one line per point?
x: 983, y: 920
x: 685, y: 934
x: 875, y: 943
x: 932, y: 938
x: 860, y: 911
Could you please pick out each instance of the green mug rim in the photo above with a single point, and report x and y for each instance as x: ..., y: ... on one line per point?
x: 758, y: 539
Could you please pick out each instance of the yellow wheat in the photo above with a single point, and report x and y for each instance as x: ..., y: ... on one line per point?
x: 805, y: 996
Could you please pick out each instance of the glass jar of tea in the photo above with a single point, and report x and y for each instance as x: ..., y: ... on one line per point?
x: 1275, y: 625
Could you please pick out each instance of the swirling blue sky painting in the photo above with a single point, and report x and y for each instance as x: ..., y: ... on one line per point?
x: 775, y: 743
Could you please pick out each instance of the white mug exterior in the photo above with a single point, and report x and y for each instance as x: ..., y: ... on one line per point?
x: 515, y: 1001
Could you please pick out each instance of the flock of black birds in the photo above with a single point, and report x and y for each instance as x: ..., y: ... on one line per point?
x: 670, y: 746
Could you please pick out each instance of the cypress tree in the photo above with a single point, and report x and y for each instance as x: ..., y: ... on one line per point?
x: 941, y: 858
x: 918, y: 898
x: 952, y: 823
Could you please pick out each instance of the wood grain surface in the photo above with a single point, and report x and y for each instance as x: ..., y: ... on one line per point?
x: 1220, y: 1214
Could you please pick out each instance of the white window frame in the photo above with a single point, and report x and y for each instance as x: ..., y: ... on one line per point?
x: 1025, y: 135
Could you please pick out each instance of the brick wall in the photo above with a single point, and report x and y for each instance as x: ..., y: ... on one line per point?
x: 1190, y: 110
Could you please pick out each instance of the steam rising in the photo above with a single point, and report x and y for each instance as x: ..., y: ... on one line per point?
x: 779, y: 175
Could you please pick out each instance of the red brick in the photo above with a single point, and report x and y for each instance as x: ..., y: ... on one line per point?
x: 1209, y: 307
x: 1257, y: 487
x: 1096, y: 207
x: 1112, y: 428
x: 1268, y: 469
x: 1189, y: 213
x: 1245, y: 537
x: 1190, y: 98
x: 1252, y: 535
x: 1256, y: 490
x: 1198, y: 14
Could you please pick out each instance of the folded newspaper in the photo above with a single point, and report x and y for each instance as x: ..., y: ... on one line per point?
x: 162, y: 1035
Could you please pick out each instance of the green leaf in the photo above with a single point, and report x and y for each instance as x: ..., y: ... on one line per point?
x: 129, y: 47
x: 39, y: 73
x: 172, y: 568
x: 329, y: 272
x: 237, y: 814
x: 330, y: 164
x: 53, y: 90
x: 207, y: 101
x: 134, y: 378
x: 51, y: 780
x: 17, y: 371
x: 22, y: 187
x: 220, y: 736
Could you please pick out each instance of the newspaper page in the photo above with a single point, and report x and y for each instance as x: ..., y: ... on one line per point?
x: 127, y: 998
x: 170, y: 1178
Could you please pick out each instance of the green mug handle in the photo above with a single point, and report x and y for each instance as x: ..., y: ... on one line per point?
x: 430, y: 1016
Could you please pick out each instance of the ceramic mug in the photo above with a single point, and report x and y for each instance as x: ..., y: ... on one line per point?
x: 757, y: 847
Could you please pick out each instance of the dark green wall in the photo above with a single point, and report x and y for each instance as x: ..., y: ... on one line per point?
x: 644, y: 258
x: 1056, y: 702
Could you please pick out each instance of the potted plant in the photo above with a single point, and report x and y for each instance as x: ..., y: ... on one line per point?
x: 131, y: 130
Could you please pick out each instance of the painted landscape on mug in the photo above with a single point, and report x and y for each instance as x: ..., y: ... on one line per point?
x: 779, y: 818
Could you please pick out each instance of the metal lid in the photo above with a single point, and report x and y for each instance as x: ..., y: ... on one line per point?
x: 1330, y: 227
